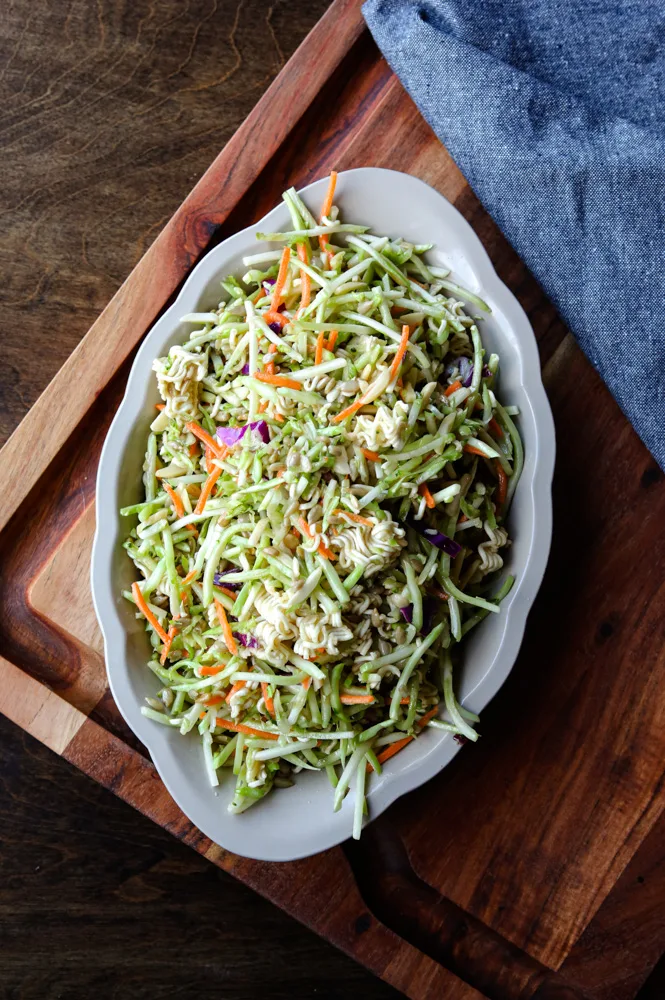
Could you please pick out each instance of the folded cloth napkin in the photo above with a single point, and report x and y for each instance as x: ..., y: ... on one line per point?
x: 555, y: 112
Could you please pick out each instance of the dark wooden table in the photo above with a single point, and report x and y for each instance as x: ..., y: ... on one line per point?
x: 110, y: 112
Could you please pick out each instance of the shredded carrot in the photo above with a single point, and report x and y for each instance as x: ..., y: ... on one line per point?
x: 190, y: 576
x: 214, y: 699
x: 327, y: 205
x: 394, y: 748
x: 502, y: 488
x: 228, y: 592
x: 269, y: 369
x: 305, y: 530
x: 358, y: 518
x: 373, y: 456
x: 275, y: 317
x: 306, y: 683
x: 216, y: 448
x: 472, y: 450
x: 208, y: 460
x: 238, y: 686
x: 211, y: 671
x: 258, y: 295
x: 142, y: 605
x: 357, y: 699
x: 349, y: 411
x: 405, y: 701
x: 269, y: 703
x: 263, y: 406
x: 207, y: 489
x: 453, y: 387
x: 226, y: 628
x: 193, y: 449
x: 427, y: 716
x: 332, y: 340
x: 401, y: 351
x: 329, y: 258
x: 496, y: 427
x: 178, y: 505
x: 172, y: 633
x: 318, y: 356
x: 282, y: 274
x: 424, y: 492
x: 278, y: 417
x: 391, y: 750
x: 272, y: 349
x: 288, y: 383
x: 160, y: 406
x: 239, y: 727
x: 462, y: 518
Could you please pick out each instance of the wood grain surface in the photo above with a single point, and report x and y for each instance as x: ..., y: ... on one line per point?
x: 532, y: 866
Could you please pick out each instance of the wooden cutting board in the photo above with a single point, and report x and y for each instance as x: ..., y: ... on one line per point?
x: 508, y: 875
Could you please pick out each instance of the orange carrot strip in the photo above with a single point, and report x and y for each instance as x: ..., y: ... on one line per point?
x: 269, y: 703
x: 226, y: 628
x: 394, y: 748
x: 142, y: 605
x: 239, y: 727
x: 160, y: 406
x: 263, y: 406
x: 391, y: 750
x: 462, y: 518
x: 349, y: 411
x: 306, y: 530
x: 428, y: 715
x: 357, y: 699
x: 424, y: 492
x: 332, y: 340
x: 306, y: 683
x: 172, y: 633
x: 258, y: 295
x: 216, y: 448
x: 401, y: 351
x: 327, y: 205
x: 329, y: 256
x: 288, y: 383
x: 275, y: 317
x: 358, y: 518
x: 214, y: 699
x: 238, y: 686
x: 278, y: 417
x: 228, y: 592
x: 373, y: 456
x: 502, y: 488
x: 472, y: 450
x: 453, y: 387
x: 178, y: 505
x: 272, y: 349
x: 269, y: 369
x: 278, y: 287
x: 318, y: 356
x: 496, y: 427
x: 211, y: 671
x: 207, y: 489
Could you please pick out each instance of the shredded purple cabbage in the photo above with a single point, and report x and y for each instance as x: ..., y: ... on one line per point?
x: 249, y: 641
x: 245, y: 369
x: 218, y: 582
x: 465, y: 372
x: 437, y: 538
x: 231, y: 435
x: 408, y: 613
x: 275, y: 327
x: 460, y: 738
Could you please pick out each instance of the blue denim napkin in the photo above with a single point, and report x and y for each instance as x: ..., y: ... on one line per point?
x: 555, y: 113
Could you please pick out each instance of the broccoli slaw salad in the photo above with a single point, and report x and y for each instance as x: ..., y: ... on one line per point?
x: 326, y: 486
